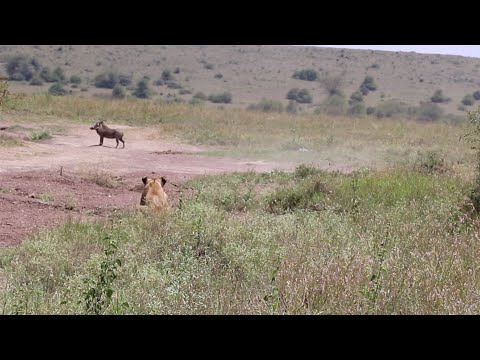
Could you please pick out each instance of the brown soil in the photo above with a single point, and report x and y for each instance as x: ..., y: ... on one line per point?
x: 43, y: 184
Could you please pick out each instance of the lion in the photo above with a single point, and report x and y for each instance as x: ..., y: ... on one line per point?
x: 153, y: 194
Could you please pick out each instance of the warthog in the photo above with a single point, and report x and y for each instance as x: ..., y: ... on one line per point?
x: 104, y: 131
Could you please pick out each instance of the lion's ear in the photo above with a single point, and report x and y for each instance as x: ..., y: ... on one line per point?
x: 163, y: 181
x: 145, y: 179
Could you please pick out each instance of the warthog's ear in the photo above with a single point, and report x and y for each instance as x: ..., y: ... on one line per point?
x: 145, y: 179
x: 163, y: 181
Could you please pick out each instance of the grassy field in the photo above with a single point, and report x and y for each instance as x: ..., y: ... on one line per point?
x: 399, y: 238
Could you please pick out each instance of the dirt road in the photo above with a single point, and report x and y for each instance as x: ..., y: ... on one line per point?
x: 43, y: 184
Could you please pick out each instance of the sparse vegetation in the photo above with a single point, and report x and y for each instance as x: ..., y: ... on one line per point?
x: 142, y: 90
x: 333, y: 84
x: 224, y: 98
x: 75, y: 79
x: 301, y: 96
x: 468, y: 100
x: 267, y: 106
x: 118, y: 92
x: 40, y: 135
x: 21, y: 67
x: 438, y: 97
x: 306, y: 74
x: 57, y: 89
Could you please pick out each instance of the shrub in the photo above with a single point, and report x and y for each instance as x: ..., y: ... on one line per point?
x: 57, y: 90
x: 74, y: 79
x: 333, y: 84
x: 184, y: 91
x: 142, y: 90
x: 306, y: 74
x: 292, y: 107
x: 125, y: 80
x: 225, y: 98
x: 356, y: 97
x: 430, y: 163
x: 106, y: 80
x: 267, y: 106
x: 357, y: 109
x: 292, y: 94
x: 208, y: 66
x: 333, y: 105
x: 159, y: 82
x: 468, y: 100
x: 167, y: 76
x: 36, y: 81
x: 367, y: 85
x: 46, y: 75
x: 173, y: 85
x: 176, y: 71
x: 118, y: 92
x: 200, y: 96
x: 371, y: 110
x: 438, y: 97
x: 391, y: 108
x: 476, y: 95
x: 58, y: 74
x: 21, y: 67
x: 429, y: 112
x: 218, y: 76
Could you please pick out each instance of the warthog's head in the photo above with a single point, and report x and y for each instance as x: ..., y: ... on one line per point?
x: 97, y: 125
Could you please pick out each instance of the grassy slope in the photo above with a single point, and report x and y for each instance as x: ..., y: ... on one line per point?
x: 253, y: 72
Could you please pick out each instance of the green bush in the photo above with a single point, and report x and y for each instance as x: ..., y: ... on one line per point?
x: 333, y: 84
x: 58, y: 75
x: 468, y: 100
x: 367, y: 85
x: 200, y: 96
x: 106, y: 80
x: 302, y: 96
x: 292, y: 107
x: 267, y: 106
x: 118, y: 92
x: 46, y: 74
x: 306, y: 74
x: 21, y: 67
x: 335, y: 105
x: 125, y: 80
x: 292, y: 94
x: 57, y: 90
x: 224, y: 98
x: 218, y: 76
x: 142, y: 90
x: 476, y: 95
x: 429, y: 112
x: 36, y: 81
x: 438, y: 97
x: 371, y: 110
x: 74, y: 79
x: 357, y: 109
x: 356, y: 97
x: 167, y: 76
x: 391, y: 108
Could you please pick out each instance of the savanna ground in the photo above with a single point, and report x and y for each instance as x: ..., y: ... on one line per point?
x: 272, y: 213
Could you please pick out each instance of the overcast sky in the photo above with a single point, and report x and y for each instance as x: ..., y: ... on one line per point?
x: 463, y: 50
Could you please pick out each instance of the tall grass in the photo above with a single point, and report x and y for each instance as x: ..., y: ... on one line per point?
x: 278, y: 136
x: 389, y: 242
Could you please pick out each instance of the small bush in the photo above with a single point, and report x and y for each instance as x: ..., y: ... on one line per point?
x: 58, y: 75
x: 184, y: 91
x: 333, y: 105
x: 468, y: 100
x: 292, y: 94
x: 430, y: 163
x: 429, y: 112
x: 36, y: 81
x: 476, y: 95
x: 208, y: 66
x: 159, y: 82
x: 21, y: 67
x: 46, y: 74
x: 292, y: 107
x: 167, y: 76
x: 357, y: 109
x: 306, y: 74
x: 218, y: 76
x: 438, y: 97
x: 74, y: 79
x: 356, y: 97
x: 333, y: 84
x: 106, y: 80
x: 176, y: 71
x: 267, y: 106
x: 125, y: 80
x: 173, y: 85
x: 200, y: 96
x: 42, y: 135
x: 57, y: 90
x: 367, y: 85
x: 224, y: 98
x: 371, y: 110
x: 302, y: 96
x: 142, y: 90
x: 391, y: 108
x: 118, y: 92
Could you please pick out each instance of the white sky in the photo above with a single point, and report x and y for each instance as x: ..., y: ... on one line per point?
x: 463, y: 50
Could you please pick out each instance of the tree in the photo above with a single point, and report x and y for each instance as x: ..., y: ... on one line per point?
x: 142, y: 90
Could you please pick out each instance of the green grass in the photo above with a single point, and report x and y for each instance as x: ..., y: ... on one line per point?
x: 40, y: 135
x: 8, y: 141
x: 383, y: 242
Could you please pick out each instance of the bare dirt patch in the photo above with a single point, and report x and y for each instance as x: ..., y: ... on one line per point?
x: 45, y: 183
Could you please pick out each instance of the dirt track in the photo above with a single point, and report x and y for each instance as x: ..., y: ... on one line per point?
x: 34, y: 194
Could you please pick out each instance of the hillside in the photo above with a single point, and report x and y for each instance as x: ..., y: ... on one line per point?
x: 251, y: 73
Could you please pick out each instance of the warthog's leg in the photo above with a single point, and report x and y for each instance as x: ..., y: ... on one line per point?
x: 117, y: 142
x: 101, y: 140
x: 122, y: 142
